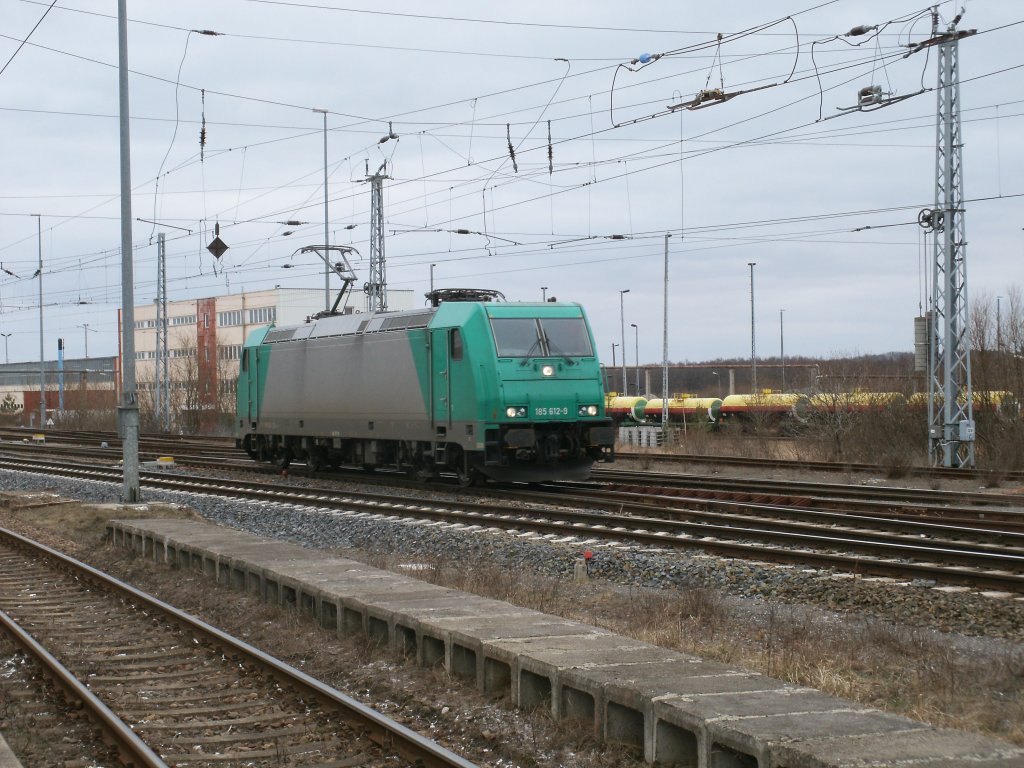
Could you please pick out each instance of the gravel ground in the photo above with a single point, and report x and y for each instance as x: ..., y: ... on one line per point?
x: 752, y: 585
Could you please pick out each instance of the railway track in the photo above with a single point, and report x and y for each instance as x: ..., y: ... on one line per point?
x: 931, y: 502
x: 168, y: 689
x: 196, y: 447
x: 39, y: 724
x: 680, y: 459
x: 219, y: 453
x: 937, y: 552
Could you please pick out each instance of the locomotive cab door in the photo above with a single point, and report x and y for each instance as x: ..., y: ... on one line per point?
x: 250, y: 368
x: 440, y: 382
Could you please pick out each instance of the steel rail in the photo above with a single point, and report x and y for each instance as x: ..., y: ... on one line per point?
x: 716, y: 492
x: 816, y: 490
x: 892, y: 516
x: 794, y: 518
x: 131, y: 749
x: 382, y: 730
x: 651, y: 531
x: 818, y: 466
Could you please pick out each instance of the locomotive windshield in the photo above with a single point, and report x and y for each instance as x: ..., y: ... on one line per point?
x: 541, y: 337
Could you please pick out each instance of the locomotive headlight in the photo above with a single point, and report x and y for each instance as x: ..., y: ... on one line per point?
x: 516, y: 411
x: 548, y: 370
x: 588, y: 410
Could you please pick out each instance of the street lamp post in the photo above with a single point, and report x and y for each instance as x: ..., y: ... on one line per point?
x: 753, y: 352
x: 85, y: 332
x: 327, y: 240
x: 614, y: 345
x: 664, y: 345
x: 7, y: 357
x: 622, y: 328
x: 782, y: 349
x: 636, y: 348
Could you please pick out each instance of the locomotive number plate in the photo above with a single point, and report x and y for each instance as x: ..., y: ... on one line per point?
x: 551, y: 410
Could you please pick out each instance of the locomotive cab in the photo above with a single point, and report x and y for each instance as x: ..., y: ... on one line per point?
x: 528, y: 376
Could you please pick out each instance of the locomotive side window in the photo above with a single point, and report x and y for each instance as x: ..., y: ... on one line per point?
x: 566, y: 336
x: 455, y: 343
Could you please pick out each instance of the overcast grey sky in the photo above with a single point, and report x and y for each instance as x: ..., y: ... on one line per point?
x: 778, y: 174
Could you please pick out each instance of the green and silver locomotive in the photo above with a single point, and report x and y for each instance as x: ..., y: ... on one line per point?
x: 507, y: 391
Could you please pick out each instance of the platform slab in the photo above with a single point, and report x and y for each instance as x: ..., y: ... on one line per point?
x: 927, y: 748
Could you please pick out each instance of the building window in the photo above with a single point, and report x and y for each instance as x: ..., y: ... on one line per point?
x: 263, y: 315
x: 233, y: 317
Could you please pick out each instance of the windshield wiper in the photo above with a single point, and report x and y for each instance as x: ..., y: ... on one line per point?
x: 556, y: 352
x: 526, y: 357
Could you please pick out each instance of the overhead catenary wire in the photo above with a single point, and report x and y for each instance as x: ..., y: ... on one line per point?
x: 25, y: 39
x: 424, y: 180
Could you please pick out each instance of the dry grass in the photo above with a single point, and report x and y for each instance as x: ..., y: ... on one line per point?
x: 907, y: 671
x: 82, y: 524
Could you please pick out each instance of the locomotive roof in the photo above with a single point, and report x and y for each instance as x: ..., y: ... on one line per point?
x: 375, y: 322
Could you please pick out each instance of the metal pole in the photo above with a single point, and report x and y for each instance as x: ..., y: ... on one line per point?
x: 432, y: 277
x: 7, y: 357
x: 42, y: 352
x: 782, y: 350
x: 544, y: 293
x: 951, y: 427
x: 664, y: 345
x: 636, y: 347
x: 614, y: 345
x: 85, y: 334
x: 327, y: 241
x: 129, y: 407
x: 622, y: 328
x: 163, y: 385
x: 753, y: 353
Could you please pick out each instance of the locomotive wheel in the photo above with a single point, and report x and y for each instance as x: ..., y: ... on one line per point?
x: 468, y: 476
x: 284, y: 458
x: 317, y: 460
x: 420, y: 472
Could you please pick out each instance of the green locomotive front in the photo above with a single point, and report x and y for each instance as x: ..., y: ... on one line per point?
x: 508, y: 391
